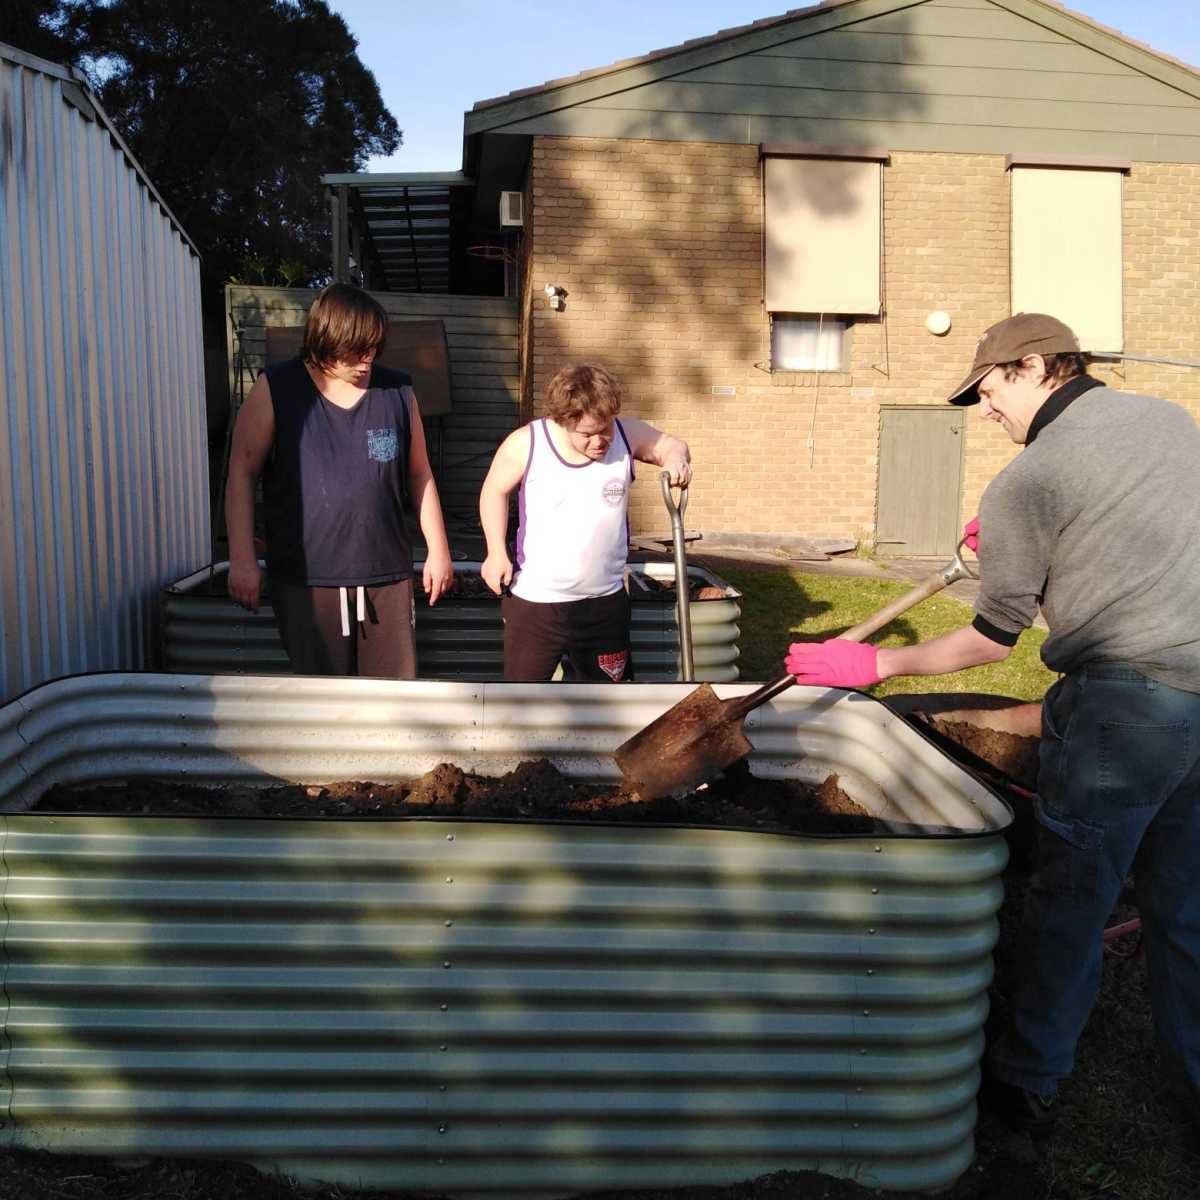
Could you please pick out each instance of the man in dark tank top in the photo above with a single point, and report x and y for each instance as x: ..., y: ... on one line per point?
x: 339, y: 443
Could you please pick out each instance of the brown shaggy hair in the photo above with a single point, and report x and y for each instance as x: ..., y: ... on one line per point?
x: 587, y: 389
x: 1059, y: 367
x: 344, y: 323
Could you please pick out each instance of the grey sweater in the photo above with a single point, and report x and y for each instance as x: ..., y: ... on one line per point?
x: 1098, y: 520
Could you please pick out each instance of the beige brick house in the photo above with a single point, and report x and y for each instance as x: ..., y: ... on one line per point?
x: 766, y: 232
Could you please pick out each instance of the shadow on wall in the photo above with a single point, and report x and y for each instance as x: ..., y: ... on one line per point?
x: 672, y: 292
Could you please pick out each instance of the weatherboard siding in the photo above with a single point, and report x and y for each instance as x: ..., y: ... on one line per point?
x: 962, y: 77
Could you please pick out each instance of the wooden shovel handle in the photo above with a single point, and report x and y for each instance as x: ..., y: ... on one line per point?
x: 887, y: 614
x: 739, y: 706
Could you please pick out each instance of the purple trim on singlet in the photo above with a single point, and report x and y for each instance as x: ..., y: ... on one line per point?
x: 628, y: 450
x: 632, y: 477
x: 520, y: 546
x: 550, y: 443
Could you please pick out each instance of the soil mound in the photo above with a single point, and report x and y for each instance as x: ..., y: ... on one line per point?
x: 535, y: 790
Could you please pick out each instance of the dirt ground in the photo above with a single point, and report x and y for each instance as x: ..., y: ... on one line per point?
x: 534, y: 790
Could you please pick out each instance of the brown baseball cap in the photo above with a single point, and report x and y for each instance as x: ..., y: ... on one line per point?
x: 1010, y: 340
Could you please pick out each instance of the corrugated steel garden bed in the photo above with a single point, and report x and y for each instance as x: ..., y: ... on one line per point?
x: 472, y: 1006
x: 460, y: 637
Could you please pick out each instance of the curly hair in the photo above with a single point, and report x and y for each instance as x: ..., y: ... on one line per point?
x: 585, y: 389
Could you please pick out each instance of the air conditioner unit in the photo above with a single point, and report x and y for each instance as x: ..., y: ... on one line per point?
x: 512, y: 208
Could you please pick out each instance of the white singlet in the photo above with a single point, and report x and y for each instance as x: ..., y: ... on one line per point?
x: 573, y: 530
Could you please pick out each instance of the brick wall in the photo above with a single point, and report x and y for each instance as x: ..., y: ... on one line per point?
x: 659, y: 247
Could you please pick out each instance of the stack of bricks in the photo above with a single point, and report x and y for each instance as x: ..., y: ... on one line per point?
x: 659, y: 247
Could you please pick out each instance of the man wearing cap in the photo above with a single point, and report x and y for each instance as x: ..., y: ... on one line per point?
x: 1097, y: 521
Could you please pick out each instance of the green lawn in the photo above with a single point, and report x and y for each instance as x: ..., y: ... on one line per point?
x: 782, y: 606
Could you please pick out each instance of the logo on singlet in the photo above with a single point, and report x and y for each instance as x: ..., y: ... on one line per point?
x: 382, y: 445
x: 614, y: 492
x: 613, y: 665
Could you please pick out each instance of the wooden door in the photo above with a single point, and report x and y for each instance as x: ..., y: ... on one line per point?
x: 920, y: 480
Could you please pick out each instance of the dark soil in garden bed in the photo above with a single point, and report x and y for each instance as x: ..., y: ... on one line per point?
x: 1013, y: 756
x: 536, y: 790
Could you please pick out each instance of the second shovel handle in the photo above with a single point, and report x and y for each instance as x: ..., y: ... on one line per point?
x: 683, y: 607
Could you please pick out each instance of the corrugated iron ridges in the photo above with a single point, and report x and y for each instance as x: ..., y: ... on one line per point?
x: 459, y: 638
x: 498, y: 1007
x: 102, y: 439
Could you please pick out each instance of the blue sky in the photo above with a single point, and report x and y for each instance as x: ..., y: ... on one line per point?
x: 433, y: 61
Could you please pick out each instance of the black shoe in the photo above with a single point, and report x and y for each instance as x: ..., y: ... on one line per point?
x: 1022, y: 1111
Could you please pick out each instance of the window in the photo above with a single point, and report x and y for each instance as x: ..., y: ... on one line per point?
x: 1066, y: 247
x: 807, y: 343
x: 822, y: 259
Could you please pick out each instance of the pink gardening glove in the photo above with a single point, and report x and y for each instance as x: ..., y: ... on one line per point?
x: 835, y: 663
x: 971, y: 535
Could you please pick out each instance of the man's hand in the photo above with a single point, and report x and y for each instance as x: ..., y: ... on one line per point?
x: 245, y: 583
x: 970, y: 537
x: 679, y: 469
x: 835, y: 663
x: 497, y: 571
x: 438, y: 576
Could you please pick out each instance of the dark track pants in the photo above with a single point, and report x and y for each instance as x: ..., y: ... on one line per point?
x: 590, y: 637
x: 383, y: 646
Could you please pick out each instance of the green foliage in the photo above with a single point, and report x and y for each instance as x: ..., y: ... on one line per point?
x: 234, y: 108
x: 782, y: 606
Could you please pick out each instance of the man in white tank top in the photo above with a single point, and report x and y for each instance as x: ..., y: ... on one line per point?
x: 567, y: 600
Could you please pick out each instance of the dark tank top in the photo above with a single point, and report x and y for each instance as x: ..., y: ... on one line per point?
x: 335, y: 486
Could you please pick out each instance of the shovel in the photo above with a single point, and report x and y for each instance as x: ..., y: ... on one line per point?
x: 702, y: 735
x: 683, y: 604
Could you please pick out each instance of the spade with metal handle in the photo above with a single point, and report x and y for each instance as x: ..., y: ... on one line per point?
x: 702, y: 735
x: 683, y: 606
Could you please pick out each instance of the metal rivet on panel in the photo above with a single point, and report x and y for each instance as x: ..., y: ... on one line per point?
x: 441, y: 1087
x: 870, y: 970
x: 449, y: 923
x: 863, y: 1051
x: 449, y: 837
x: 878, y: 849
x: 441, y: 1129
x: 874, y: 891
x: 446, y: 964
x: 442, y: 1047
x: 870, y: 931
x: 445, y: 1008
x: 449, y: 878
x: 866, y: 1012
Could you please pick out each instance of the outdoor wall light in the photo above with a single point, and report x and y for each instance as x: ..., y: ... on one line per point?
x: 938, y: 323
x: 557, y: 295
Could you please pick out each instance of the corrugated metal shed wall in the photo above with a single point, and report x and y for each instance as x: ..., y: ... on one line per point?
x: 481, y: 339
x: 103, y: 442
x: 473, y: 1006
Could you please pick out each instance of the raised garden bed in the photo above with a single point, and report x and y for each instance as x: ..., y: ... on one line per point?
x: 461, y: 637
x: 518, y: 1004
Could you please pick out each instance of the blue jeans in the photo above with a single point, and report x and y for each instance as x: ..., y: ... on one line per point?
x: 1118, y: 790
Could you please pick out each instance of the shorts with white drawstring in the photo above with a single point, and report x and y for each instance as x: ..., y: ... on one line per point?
x: 367, y: 630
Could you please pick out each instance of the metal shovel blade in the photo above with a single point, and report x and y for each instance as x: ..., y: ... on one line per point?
x: 689, y: 744
x: 702, y: 735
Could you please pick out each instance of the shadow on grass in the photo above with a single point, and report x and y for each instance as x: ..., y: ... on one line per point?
x: 778, y: 609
